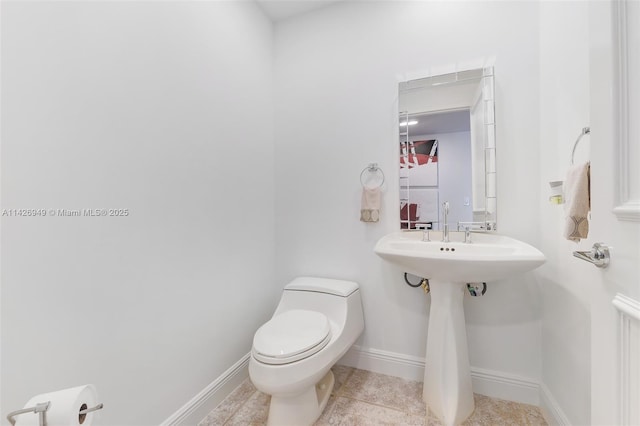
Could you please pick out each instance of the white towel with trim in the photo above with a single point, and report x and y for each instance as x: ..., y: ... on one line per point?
x: 370, y: 208
x: 577, y: 198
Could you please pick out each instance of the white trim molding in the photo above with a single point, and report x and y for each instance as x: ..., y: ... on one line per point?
x: 207, y: 399
x: 550, y: 408
x: 628, y: 306
x: 499, y: 384
x: 384, y: 362
x: 626, y: 209
x: 629, y: 359
x: 492, y: 383
x: 629, y: 211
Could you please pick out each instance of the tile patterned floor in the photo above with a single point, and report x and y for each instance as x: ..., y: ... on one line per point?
x: 369, y: 399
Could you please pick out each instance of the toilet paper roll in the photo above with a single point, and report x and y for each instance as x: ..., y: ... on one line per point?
x: 64, y: 407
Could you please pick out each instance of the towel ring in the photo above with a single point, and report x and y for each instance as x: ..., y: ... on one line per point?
x: 585, y: 131
x: 371, y: 168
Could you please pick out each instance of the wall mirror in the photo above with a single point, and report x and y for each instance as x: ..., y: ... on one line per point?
x: 448, y: 151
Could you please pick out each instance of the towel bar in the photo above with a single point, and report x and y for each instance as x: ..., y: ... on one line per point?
x: 585, y: 131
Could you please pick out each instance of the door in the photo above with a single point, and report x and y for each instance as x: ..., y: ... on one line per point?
x: 615, y: 217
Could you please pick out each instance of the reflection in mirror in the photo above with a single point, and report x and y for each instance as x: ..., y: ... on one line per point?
x: 447, y: 151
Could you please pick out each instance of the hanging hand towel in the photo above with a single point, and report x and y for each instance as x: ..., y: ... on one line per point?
x: 370, y: 209
x: 577, y: 202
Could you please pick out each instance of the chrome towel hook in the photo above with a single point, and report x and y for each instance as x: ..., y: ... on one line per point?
x: 599, y: 255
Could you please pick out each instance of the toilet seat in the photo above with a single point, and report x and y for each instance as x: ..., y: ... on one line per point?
x: 291, y: 336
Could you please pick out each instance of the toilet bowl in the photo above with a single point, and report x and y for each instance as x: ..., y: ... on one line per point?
x: 315, y: 323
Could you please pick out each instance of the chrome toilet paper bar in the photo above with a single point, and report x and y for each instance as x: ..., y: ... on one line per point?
x: 89, y: 410
x: 42, y: 408
x: 39, y: 409
x: 599, y: 255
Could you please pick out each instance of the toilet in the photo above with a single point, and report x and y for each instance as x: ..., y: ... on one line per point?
x: 315, y: 323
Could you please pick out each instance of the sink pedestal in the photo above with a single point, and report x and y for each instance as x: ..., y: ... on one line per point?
x: 449, y: 266
x: 447, y: 377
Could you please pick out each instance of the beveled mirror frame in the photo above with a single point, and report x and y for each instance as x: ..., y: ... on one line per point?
x: 483, y: 141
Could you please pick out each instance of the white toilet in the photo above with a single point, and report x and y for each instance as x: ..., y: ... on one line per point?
x: 315, y: 323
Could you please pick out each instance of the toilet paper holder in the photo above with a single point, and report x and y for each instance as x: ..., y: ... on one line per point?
x: 41, y: 409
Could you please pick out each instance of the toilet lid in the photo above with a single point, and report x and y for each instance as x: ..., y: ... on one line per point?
x: 291, y: 336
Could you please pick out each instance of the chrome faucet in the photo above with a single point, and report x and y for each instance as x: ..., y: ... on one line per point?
x: 467, y: 234
x: 445, y: 228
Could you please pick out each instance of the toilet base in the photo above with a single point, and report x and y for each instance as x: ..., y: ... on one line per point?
x: 301, y: 409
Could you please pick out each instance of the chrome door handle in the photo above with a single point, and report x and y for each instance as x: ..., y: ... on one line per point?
x: 599, y: 255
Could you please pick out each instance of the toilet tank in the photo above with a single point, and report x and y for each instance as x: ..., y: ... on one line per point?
x: 334, y: 298
x: 323, y: 285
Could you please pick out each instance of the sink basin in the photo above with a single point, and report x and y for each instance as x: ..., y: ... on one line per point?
x: 447, y: 388
x: 489, y: 257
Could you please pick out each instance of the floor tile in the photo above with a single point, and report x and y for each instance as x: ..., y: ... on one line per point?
x: 491, y: 411
x: 341, y: 374
x: 351, y: 412
x: 230, y: 405
x: 388, y: 391
x: 364, y: 398
x: 253, y: 413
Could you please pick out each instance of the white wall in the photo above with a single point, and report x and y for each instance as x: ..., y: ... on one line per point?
x: 454, y: 177
x: 564, y: 111
x: 164, y: 108
x: 337, y: 72
x: 454, y: 173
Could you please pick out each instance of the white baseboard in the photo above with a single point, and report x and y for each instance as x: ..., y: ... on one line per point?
x: 207, y: 399
x: 550, y: 408
x: 511, y: 387
x: 383, y: 362
x: 496, y: 384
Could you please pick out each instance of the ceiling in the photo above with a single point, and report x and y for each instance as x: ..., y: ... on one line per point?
x: 278, y: 10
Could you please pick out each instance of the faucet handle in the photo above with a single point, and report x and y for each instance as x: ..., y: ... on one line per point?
x: 425, y: 231
x: 467, y: 234
x: 474, y: 226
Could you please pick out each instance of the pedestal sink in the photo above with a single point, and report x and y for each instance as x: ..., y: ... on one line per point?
x: 450, y: 266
